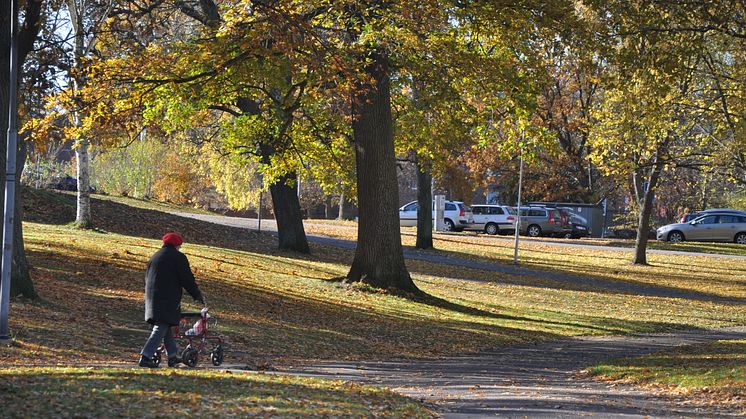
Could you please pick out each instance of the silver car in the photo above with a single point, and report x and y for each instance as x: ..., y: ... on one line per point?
x: 544, y: 221
x: 713, y: 226
x: 493, y: 219
x: 457, y: 215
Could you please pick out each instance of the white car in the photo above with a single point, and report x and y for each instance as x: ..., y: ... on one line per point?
x: 493, y: 219
x: 457, y: 215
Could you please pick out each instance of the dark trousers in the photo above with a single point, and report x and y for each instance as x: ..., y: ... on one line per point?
x: 161, y: 332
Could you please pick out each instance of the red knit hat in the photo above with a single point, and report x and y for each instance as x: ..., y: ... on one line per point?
x: 172, y: 238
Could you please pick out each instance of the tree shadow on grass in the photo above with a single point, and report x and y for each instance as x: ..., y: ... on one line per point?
x: 264, y: 319
x: 618, y: 326
x: 151, y: 224
x: 556, y: 274
x: 301, y: 321
x: 265, y: 322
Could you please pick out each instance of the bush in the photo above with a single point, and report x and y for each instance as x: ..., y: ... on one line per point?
x: 130, y: 171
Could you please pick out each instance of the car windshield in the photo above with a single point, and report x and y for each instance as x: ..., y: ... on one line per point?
x: 511, y: 210
x: 575, y: 218
x: 464, y: 207
x: 709, y: 219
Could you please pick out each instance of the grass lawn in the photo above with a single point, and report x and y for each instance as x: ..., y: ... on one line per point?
x: 716, y: 277
x: 720, y: 278
x: 713, y: 371
x: 284, y: 307
x: 278, y: 307
x: 129, y: 392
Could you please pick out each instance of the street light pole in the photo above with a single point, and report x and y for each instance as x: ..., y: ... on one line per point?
x: 259, y: 212
x: 10, y: 178
x: 518, y: 211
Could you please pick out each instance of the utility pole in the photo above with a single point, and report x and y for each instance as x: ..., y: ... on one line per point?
x: 10, y: 178
x: 259, y: 212
x: 518, y: 210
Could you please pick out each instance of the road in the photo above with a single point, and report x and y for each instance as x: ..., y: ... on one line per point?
x: 271, y: 226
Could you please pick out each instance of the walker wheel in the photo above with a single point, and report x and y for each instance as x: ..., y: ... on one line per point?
x: 189, y: 356
x: 216, y: 356
x: 158, y: 357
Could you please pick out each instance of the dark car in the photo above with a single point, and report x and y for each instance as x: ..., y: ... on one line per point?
x: 66, y: 183
x: 69, y: 183
x: 578, y: 224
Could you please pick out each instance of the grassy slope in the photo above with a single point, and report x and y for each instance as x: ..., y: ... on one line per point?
x: 91, y: 313
x: 279, y: 307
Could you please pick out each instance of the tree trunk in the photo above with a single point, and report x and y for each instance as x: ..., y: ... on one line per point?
x: 341, y: 214
x: 286, y: 206
x: 646, y: 210
x: 20, y: 281
x: 83, y: 215
x: 424, y: 207
x: 285, y: 202
x: 290, y: 231
x: 379, y: 260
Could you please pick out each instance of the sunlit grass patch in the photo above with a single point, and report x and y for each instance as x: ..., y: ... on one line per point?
x: 129, y: 392
x: 714, y: 371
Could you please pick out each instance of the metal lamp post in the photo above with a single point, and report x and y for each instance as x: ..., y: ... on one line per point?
x: 518, y: 215
x: 10, y: 178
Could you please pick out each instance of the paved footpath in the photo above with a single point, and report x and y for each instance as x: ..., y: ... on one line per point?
x: 531, y: 380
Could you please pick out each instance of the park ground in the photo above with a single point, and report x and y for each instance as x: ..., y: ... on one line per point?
x: 278, y: 308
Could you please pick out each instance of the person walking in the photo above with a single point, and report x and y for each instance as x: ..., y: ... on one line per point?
x: 167, y: 274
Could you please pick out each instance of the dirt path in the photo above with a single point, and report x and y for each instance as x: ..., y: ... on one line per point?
x: 539, y: 380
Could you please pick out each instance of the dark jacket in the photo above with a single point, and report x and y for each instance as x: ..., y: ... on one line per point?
x: 168, y: 272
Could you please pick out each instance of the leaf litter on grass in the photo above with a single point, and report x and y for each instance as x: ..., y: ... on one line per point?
x: 278, y: 307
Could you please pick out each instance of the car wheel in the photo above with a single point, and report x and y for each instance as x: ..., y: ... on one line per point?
x: 675, y: 237
x: 534, y: 230
x: 491, y: 229
x: 449, y: 225
x: 740, y: 238
x: 568, y: 236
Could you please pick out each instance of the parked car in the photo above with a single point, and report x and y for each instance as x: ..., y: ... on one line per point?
x: 712, y: 226
x: 493, y: 219
x: 696, y: 214
x: 457, y: 215
x: 66, y: 183
x: 578, y: 225
x: 544, y: 221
